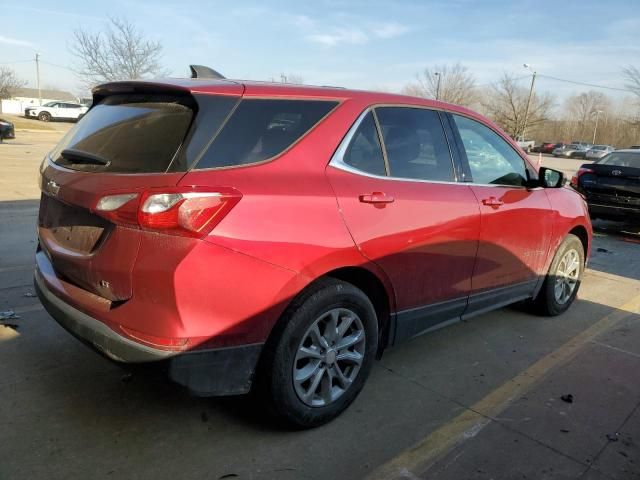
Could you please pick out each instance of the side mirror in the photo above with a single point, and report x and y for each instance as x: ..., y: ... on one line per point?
x: 550, y: 178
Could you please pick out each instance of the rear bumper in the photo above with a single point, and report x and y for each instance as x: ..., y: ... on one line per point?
x: 613, y: 212
x: 93, y: 332
x: 215, y: 372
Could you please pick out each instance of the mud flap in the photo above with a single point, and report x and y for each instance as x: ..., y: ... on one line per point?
x: 220, y: 372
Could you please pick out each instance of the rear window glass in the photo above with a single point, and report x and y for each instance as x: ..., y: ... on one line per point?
x: 622, y: 159
x: 127, y: 133
x: 261, y: 129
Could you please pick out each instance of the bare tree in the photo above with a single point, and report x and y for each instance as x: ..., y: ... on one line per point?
x: 632, y: 75
x: 9, y: 83
x: 291, y: 78
x: 581, y: 107
x: 449, y: 83
x: 120, y: 53
x: 582, y: 110
x: 506, y: 102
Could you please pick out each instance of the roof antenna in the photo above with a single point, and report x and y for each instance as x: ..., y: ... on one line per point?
x: 200, y: 71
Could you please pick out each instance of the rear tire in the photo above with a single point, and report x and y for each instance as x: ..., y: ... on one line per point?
x: 320, y: 354
x: 562, y: 282
x: 44, y: 117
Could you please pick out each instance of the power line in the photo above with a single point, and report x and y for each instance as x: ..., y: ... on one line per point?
x: 56, y: 65
x: 517, y: 79
x: 585, y: 84
x: 19, y: 61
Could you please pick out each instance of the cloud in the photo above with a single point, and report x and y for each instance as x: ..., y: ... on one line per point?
x: 389, y: 30
x: 339, y: 36
x: 15, y: 41
x: 357, y: 34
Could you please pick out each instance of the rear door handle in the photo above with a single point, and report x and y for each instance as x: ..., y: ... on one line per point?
x: 376, y: 197
x: 492, y: 202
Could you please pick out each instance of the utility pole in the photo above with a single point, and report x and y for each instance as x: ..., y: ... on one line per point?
x: 437, y: 74
x: 526, y: 112
x: 595, y: 129
x: 38, y: 78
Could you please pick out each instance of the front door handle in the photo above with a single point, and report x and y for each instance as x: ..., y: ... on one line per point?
x: 492, y: 202
x: 376, y: 197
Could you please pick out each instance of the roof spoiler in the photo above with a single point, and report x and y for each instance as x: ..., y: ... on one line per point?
x: 200, y: 71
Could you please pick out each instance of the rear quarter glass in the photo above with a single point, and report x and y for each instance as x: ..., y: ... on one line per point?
x: 144, y: 133
x: 260, y: 129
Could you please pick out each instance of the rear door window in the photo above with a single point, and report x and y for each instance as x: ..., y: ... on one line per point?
x: 415, y: 143
x: 260, y: 129
x: 130, y: 133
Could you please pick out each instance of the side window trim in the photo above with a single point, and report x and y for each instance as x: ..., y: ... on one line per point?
x: 381, y: 140
x: 454, y: 148
x: 456, y: 153
x: 459, y: 148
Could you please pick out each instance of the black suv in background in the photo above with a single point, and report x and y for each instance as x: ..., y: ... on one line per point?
x: 6, y: 130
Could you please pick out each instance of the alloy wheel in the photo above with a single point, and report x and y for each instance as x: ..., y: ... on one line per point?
x: 566, y: 276
x: 329, y: 357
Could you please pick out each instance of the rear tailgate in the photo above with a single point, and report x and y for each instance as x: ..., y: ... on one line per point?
x: 136, y: 136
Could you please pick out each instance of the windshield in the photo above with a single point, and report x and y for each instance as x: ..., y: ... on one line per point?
x: 599, y: 147
x: 50, y: 104
x: 622, y: 159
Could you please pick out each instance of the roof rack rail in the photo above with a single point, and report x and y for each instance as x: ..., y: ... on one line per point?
x: 200, y: 71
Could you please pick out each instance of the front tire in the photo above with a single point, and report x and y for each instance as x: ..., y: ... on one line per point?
x: 562, y: 282
x: 44, y: 117
x: 320, y: 355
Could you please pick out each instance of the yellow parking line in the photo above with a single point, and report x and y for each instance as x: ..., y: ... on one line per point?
x: 466, y: 425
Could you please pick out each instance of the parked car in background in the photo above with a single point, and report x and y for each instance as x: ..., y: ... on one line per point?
x: 406, y: 214
x: 570, y: 151
x: 56, y: 111
x: 542, y: 147
x: 586, y: 145
x: 581, y: 153
x: 526, y: 145
x: 554, y: 146
x: 598, y: 151
x: 6, y: 130
x: 611, y: 185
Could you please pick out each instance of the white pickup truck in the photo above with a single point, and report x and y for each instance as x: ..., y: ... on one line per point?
x: 56, y: 111
x: 526, y: 145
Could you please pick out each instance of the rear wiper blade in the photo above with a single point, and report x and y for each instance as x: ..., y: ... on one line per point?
x: 78, y: 156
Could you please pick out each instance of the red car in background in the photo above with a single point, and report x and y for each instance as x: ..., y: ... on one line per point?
x: 278, y: 237
x: 546, y: 147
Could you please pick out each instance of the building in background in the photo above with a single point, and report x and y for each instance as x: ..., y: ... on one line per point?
x: 28, y: 97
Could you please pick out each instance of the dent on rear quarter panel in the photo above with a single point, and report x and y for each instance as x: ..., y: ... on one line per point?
x: 189, y: 288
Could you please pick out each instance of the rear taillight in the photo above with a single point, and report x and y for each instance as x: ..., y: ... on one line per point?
x: 189, y: 211
x: 579, y: 173
x: 121, y: 208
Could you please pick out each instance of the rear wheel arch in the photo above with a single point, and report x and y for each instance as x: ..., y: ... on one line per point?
x: 374, y: 288
x: 363, y: 279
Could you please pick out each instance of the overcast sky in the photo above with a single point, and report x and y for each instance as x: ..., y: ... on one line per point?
x: 358, y: 43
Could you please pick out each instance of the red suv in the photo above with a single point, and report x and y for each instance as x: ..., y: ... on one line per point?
x: 278, y: 238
